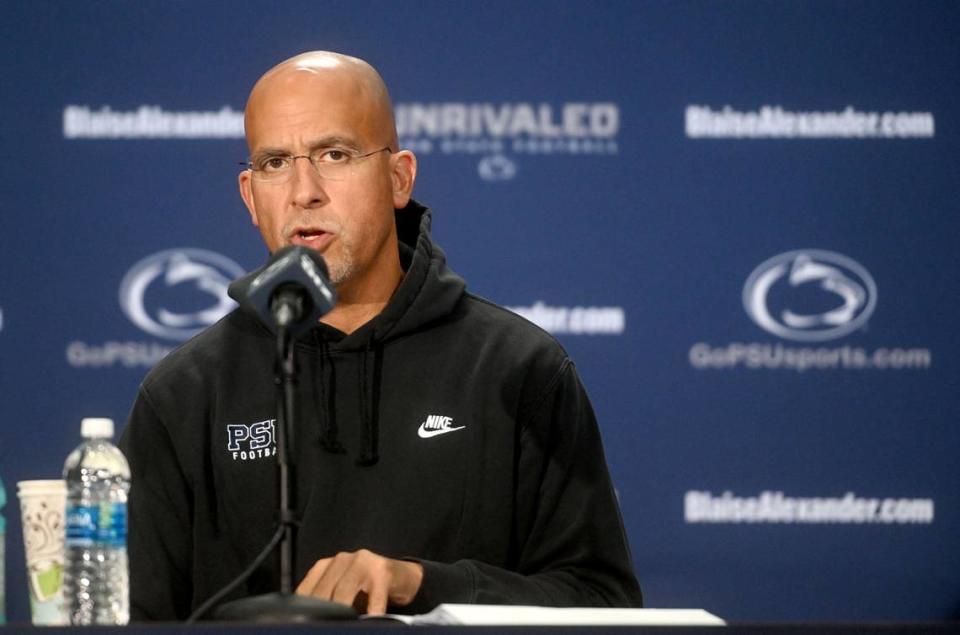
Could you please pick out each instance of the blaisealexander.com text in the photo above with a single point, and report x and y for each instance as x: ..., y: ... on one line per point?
x: 704, y: 507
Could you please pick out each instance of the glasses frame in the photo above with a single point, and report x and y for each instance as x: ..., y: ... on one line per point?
x: 293, y: 158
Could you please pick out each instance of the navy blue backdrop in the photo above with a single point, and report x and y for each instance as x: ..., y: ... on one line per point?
x: 739, y: 218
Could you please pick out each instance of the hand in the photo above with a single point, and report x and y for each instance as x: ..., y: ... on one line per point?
x: 363, y: 579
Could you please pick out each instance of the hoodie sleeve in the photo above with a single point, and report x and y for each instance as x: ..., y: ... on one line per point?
x: 571, y: 545
x: 159, y: 542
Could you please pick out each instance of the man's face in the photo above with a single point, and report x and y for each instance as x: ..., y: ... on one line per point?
x: 348, y: 220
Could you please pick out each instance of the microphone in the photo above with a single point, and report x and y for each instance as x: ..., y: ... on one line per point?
x: 293, y: 291
x: 289, y: 295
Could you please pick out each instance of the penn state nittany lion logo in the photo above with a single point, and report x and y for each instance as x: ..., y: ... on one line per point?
x: 177, y: 293
x: 810, y: 295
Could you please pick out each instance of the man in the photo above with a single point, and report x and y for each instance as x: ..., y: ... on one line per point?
x: 446, y: 450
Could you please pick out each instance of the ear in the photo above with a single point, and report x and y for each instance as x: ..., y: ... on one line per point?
x: 246, y: 193
x: 403, y: 175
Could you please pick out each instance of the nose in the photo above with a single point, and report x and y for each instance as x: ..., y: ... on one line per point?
x: 306, y: 183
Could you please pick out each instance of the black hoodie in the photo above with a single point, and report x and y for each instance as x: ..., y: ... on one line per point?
x: 446, y: 430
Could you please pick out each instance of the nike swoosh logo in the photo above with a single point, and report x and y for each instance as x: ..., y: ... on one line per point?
x: 426, y: 434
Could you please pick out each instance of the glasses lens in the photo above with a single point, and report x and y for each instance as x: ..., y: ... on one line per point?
x: 330, y: 170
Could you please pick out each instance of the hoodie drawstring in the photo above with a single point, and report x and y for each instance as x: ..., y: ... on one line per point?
x: 369, y: 395
x: 370, y: 403
x: 329, y: 434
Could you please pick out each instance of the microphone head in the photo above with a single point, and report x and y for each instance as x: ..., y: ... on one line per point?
x: 297, y: 276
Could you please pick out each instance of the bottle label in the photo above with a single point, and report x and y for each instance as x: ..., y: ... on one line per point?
x: 103, y: 525
x: 81, y: 525
x: 112, y: 528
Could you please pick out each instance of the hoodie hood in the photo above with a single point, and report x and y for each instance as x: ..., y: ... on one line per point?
x: 429, y: 292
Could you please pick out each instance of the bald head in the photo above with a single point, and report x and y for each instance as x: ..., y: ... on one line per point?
x: 328, y: 80
x: 332, y: 110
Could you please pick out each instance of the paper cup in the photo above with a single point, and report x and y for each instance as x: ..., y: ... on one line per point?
x: 42, y: 507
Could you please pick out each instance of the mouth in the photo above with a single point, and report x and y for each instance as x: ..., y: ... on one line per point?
x: 311, y: 237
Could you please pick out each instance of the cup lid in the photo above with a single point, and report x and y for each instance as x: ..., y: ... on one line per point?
x: 41, y: 486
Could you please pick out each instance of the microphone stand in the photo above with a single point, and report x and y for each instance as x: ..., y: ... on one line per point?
x: 285, y: 606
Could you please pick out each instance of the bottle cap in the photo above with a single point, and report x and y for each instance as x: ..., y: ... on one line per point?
x: 96, y: 428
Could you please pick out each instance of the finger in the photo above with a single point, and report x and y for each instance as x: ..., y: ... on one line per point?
x: 313, y: 576
x: 377, y: 598
x: 331, y: 576
x: 346, y: 592
x: 350, y: 584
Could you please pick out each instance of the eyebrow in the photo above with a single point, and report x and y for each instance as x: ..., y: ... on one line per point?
x: 314, y: 145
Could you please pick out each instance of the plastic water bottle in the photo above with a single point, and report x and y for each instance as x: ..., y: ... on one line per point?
x: 95, y: 584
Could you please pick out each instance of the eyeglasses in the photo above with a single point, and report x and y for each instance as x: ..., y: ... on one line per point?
x: 334, y: 164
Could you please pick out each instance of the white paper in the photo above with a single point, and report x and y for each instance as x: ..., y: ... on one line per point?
x: 505, y: 615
